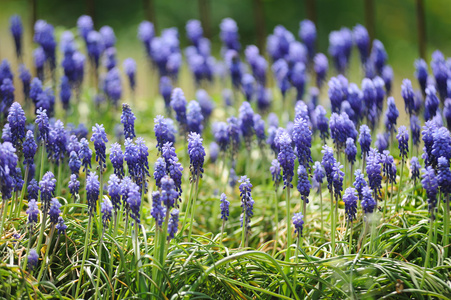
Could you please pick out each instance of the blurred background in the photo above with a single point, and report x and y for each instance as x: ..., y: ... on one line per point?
x: 395, y: 23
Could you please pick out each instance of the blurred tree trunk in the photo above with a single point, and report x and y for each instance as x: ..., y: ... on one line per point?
x: 369, y: 18
x: 33, y: 16
x: 90, y: 10
x: 421, y: 23
x: 149, y: 12
x: 259, y: 16
x: 310, y: 9
x: 204, y: 13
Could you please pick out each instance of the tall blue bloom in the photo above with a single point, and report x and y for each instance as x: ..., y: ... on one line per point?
x: 134, y: 202
x: 440, y: 71
x: 16, y: 120
x: 373, y: 170
x: 74, y: 163
x: 99, y: 138
x: 33, y: 189
x: 224, y: 206
x: 328, y: 163
x: 47, y: 187
x: 42, y: 120
x: 275, y: 172
x: 431, y: 104
x: 114, y: 190
x: 337, y: 175
x: 421, y: 73
x: 173, y: 224
x: 286, y: 158
x: 381, y: 142
x: 441, y: 146
x: 367, y: 201
x: 444, y: 176
x: 322, y: 123
x: 359, y: 183
x: 158, y: 211
x: 415, y: 168
x: 321, y: 66
x: 302, y: 138
x: 247, y: 203
x: 307, y: 33
x: 178, y: 104
x: 173, y: 167
x: 15, y: 25
x: 365, y: 139
x: 92, y: 192
x: 61, y: 227
x: 25, y: 77
x: 85, y: 154
x: 362, y: 40
x: 388, y: 167
x: 246, y: 119
x: 391, y: 114
x: 163, y: 132
x: 128, y: 120
x: 298, y: 222
x: 74, y: 185
x: 234, y: 132
x: 408, y: 95
x: 430, y: 184
x: 32, y: 212
x: 29, y: 148
x: 84, y: 25
x: 117, y: 159
x: 54, y: 211
x: 32, y: 260
x: 168, y: 192
x: 65, y: 92
x: 194, y: 117
x: 318, y: 173
x: 304, y: 185
x: 350, y: 199
x: 196, y: 153
x: 403, y: 141
x: 350, y: 150
x: 221, y: 135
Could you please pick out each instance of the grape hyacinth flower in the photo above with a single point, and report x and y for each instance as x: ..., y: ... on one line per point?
x: 403, y: 140
x: 431, y: 104
x: 444, y: 177
x: 322, y: 123
x: 275, y: 172
x: 307, y: 33
x: 224, y: 206
x: 25, y: 77
x: 163, y: 132
x: 29, y: 149
x: 32, y: 260
x: 74, y: 163
x: 16, y: 120
x: 114, y: 190
x: 65, y: 92
x: 99, y: 138
x: 17, y: 32
x: 134, y: 202
x: 408, y: 95
x: 196, y: 153
x: 373, y: 170
x: 194, y: 117
x: 117, y: 159
x: 350, y: 199
x: 298, y: 223
x: 365, y: 140
x: 430, y: 184
x: 33, y: 189
x: 302, y: 138
x: 362, y: 40
x: 47, y: 188
x: 85, y: 155
x: 165, y: 88
x: 247, y: 207
x: 173, y: 224
x: 321, y: 66
x: 337, y: 176
x: 178, y: 104
x: 391, y: 115
x: 168, y: 192
x: 368, y: 203
x: 32, y: 213
x: 328, y: 163
x: 415, y: 169
x: 54, y: 211
x: 359, y: 183
x: 128, y: 120
x: 158, y: 211
x: 350, y: 150
x: 441, y: 146
x: 92, y: 192
x: 303, y: 185
x: 421, y: 73
x: 130, y: 70
x: 173, y: 167
x: 246, y: 119
x: 234, y: 133
x: 286, y: 158
x: 74, y: 185
x: 61, y: 227
x: 42, y: 120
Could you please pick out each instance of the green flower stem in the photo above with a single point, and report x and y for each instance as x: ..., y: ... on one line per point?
x: 44, y: 261
x: 113, y: 245
x: 276, y: 206
x: 85, y: 251
x: 220, y: 183
x: 188, y: 207
x: 333, y: 229
x: 446, y: 228
x: 4, y: 211
x: 60, y: 179
x: 99, y: 264
x: 385, y: 200
x: 321, y: 210
x: 22, y: 193
x: 25, y: 261
x: 193, y: 209
x: 428, y: 250
x: 41, y: 233
x: 41, y: 171
x: 288, y: 206
x: 372, y: 221
x: 400, y: 185
x: 137, y: 256
x: 350, y: 238
x: 243, y: 231
x: 296, y: 259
